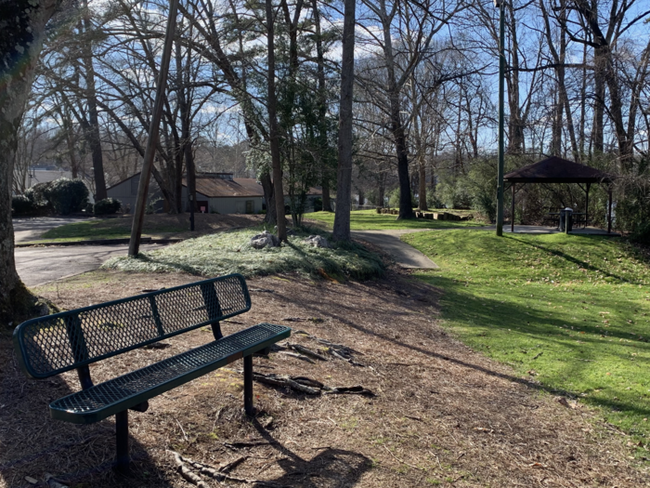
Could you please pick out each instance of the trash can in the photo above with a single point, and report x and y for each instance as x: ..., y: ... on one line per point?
x: 566, y: 220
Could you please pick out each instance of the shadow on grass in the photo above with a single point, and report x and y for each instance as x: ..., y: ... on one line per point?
x: 574, y: 260
x: 579, y: 343
x: 329, y: 468
x: 539, y: 328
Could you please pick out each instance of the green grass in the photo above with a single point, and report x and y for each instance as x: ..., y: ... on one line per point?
x: 371, y: 220
x: 571, y: 311
x: 116, y: 228
x: 230, y: 252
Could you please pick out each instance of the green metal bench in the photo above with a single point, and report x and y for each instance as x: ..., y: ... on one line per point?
x: 53, y: 344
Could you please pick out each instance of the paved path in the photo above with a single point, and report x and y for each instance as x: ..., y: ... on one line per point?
x: 40, y: 265
x: 389, y: 241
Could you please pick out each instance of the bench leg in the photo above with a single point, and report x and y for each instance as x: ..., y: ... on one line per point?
x: 122, y: 440
x: 248, y: 386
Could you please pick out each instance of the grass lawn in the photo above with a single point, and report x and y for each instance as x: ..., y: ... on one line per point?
x: 155, y: 225
x: 230, y: 252
x: 371, y: 220
x: 115, y: 228
x: 571, y: 311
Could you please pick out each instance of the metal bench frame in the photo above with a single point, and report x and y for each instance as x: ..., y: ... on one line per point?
x: 50, y: 345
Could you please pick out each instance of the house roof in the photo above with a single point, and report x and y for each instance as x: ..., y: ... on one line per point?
x: 215, y: 187
x: 557, y: 170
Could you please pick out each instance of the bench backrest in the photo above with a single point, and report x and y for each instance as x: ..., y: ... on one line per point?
x: 64, y: 341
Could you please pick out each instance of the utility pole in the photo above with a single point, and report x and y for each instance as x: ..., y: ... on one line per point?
x: 502, y: 68
x: 154, y: 126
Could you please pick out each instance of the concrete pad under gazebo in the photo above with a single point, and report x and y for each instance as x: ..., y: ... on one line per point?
x: 558, y: 170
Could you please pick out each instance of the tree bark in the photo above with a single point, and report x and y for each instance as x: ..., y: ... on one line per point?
x: 341, y: 231
x: 92, y: 131
x: 274, y: 135
x: 322, y: 107
x: 22, y: 23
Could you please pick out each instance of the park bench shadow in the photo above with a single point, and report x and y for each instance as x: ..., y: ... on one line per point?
x: 329, y: 468
x: 33, y: 444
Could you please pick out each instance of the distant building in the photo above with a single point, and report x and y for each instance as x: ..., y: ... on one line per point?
x: 215, y: 193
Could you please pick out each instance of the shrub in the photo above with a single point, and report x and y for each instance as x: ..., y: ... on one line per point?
x: 67, y: 196
x: 108, y: 206
x: 393, y: 199
x: 21, y: 205
x: 37, y: 194
x: 433, y: 201
x: 641, y: 234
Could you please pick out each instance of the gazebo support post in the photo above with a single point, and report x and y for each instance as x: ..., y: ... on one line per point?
x: 609, y: 210
x: 512, y: 211
x: 587, y: 205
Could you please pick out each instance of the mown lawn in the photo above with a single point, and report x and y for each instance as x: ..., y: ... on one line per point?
x: 115, y: 228
x: 572, y: 312
x: 371, y: 220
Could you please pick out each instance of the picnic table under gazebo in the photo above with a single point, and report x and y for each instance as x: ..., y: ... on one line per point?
x: 558, y: 170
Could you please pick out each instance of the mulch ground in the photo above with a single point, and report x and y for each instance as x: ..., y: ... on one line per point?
x: 442, y: 415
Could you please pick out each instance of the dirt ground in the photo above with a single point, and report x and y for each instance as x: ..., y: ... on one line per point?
x: 443, y: 415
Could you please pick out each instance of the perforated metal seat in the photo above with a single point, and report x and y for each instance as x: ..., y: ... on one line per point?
x: 50, y: 345
x: 106, y: 399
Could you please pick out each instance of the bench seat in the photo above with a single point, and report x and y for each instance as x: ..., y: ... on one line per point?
x: 103, y: 400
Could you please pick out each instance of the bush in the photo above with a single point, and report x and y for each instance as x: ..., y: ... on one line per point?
x: 37, y: 194
x: 432, y: 199
x: 67, y: 196
x: 641, y: 234
x: 21, y: 205
x: 393, y: 199
x: 455, y: 194
x: 108, y: 206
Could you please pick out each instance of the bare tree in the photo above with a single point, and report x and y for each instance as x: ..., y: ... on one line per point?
x: 22, y: 23
x: 341, y: 230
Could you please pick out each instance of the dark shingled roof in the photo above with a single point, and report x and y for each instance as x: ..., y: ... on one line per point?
x: 557, y: 170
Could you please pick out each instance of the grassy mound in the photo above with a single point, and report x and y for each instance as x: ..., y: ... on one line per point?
x: 230, y: 252
x: 572, y: 312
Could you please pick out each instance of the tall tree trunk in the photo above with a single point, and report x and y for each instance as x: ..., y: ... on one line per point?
x: 322, y: 107
x: 515, y: 122
x: 271, y: 217
x: 597, y: 133
x: 341, y: 230
x: 22, y: 23
x: 92, y: 133
x: 274, y: 135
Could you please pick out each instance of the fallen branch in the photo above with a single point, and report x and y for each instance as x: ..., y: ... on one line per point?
x: 307, y: 352
x: 349, y: 390
x: 339, y: 351
x: 309, y: 386
x: 218, y: 474
x: 185, y: 472
x: 285, y: 381
x: 297, y: 356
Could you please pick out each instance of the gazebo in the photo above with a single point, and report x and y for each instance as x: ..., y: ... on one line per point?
x: 558, y: 170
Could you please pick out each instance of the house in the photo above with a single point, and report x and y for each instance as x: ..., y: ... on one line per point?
x: 224, y: 194
x: 215, y: 193
x: 126, y: 191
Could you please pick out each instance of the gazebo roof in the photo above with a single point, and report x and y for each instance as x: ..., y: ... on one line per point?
x: 557, y: 170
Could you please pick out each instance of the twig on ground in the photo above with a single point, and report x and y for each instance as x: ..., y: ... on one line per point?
x: 298, y: 356
x: 307, y: 352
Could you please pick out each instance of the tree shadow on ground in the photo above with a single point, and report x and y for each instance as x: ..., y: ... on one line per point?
x: 32, y: 444
x: 329, y: 468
